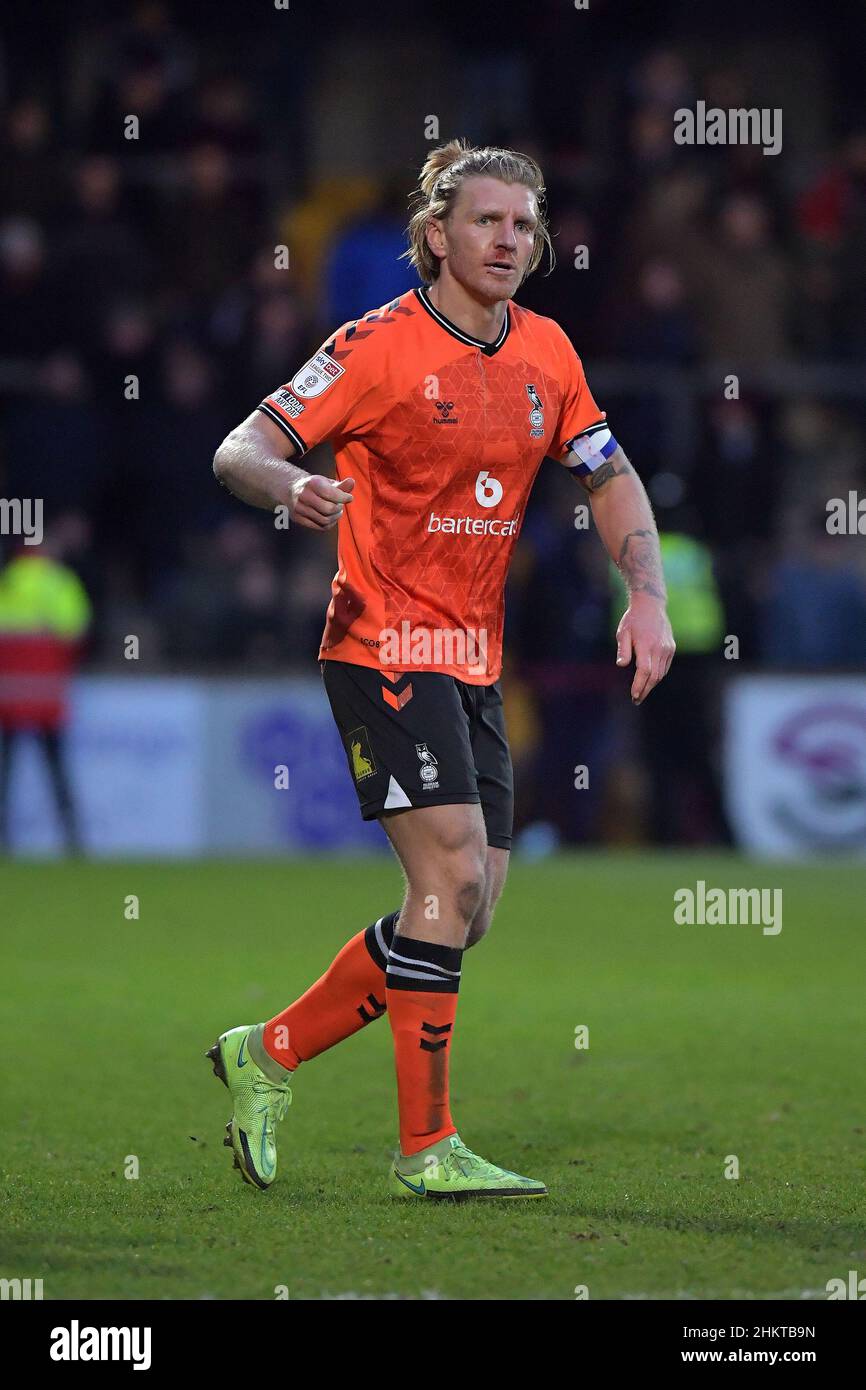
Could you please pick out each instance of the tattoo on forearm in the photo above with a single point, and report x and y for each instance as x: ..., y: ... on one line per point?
x: 641, y: 565
x: 615, y: 465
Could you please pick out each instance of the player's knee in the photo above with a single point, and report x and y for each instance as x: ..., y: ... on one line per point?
x: 479, y: 926
x: 454, y: 872
x: 464, y: 879
x: 470, y: 889
x: 482, y: 921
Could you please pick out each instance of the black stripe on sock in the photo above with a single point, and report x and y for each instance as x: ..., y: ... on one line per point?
x: 428, y: 952
x: 376, y: 1009
x: 425, y: 984
x: 387, y: 928
x: 429, y: 959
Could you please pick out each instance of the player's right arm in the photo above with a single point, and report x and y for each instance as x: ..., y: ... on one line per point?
x: 253, y: 463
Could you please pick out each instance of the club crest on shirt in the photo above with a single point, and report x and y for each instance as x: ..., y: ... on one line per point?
x: 316, y: 376
x: 429, y: 770
x: 536, y: 414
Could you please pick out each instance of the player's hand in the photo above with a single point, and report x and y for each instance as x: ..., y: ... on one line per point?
x: 318, y: 502
x: 644, y: 633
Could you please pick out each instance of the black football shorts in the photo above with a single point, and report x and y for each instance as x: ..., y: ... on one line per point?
x: 423, y: 739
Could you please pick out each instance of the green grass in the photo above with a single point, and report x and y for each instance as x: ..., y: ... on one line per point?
x: 705, y: 1041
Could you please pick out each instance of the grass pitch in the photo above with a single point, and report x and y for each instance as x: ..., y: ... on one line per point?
x: 705, y: 1042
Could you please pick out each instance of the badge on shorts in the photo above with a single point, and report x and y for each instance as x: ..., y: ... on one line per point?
x: 363, y: 765
x: 429, y: 770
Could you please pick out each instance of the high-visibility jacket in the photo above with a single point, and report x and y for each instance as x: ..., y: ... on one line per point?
x: 44, y: 613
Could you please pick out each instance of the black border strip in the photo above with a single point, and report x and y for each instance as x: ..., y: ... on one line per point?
x: 487, y: 348
x: 284, y: 426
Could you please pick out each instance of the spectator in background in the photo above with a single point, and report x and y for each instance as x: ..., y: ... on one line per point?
x: 56, y: 438
x: 735, y: 487
x: 661, y: 225
x: 656, y: 329
x: 831, y: 216
x: 228, y: 604
x: 124, y: 366
x: 44, y: 613
x: 364, y: 267
x: 558, y: 626
x: 813, y: 615
x: 209, y: 229
x: 275, y: 339
x: 257, y: 330
x: 28, y: 164
x: 125, y: 346
x: 815, y: 439
x: 139, y: 87
x: 26, y: 299
x: 679, y: 730
x: 660, y: 329
x: 169, y: 493
x: 742, y: 288
x: 658, y: 86
x: 99, y: 256
x: 734, y: 490
x: 852, y: 249
x: 223, y: 117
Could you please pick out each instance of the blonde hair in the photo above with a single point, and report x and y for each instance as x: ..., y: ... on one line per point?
x: 442, y: 177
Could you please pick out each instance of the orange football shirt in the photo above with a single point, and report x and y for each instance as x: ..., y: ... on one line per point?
x: 443, y: 434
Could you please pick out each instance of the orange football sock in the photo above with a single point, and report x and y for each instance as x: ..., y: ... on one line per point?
x: 421, y: 995
x: 349, y: 995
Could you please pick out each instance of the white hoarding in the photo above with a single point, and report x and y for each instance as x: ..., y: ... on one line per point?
x: 795, y: 764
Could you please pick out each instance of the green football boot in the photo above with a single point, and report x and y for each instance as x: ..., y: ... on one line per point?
x: 449, y: 1169
x: 258, y: 1103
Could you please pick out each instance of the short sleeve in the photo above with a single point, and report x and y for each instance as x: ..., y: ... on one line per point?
x: 339, y: 391
x: 578, y: 412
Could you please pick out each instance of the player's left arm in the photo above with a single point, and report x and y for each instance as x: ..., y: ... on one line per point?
x: 622, y: 513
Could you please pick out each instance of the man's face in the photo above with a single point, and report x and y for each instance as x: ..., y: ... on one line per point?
x: 488, y: 237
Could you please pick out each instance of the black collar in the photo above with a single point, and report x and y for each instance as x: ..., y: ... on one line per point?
x: 487, y: 348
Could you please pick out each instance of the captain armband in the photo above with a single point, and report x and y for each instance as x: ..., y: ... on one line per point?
x: 593, y: 447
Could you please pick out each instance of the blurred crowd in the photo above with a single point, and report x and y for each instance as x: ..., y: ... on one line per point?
x: 146, y: 309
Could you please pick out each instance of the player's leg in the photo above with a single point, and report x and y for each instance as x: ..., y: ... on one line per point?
x: 257, y: 1061
x: 348, y: 996
x: 495, y: 780
x: 443, y: 851
x: 351, y: 993
x: 380, y: 732
x: 497, y: 870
